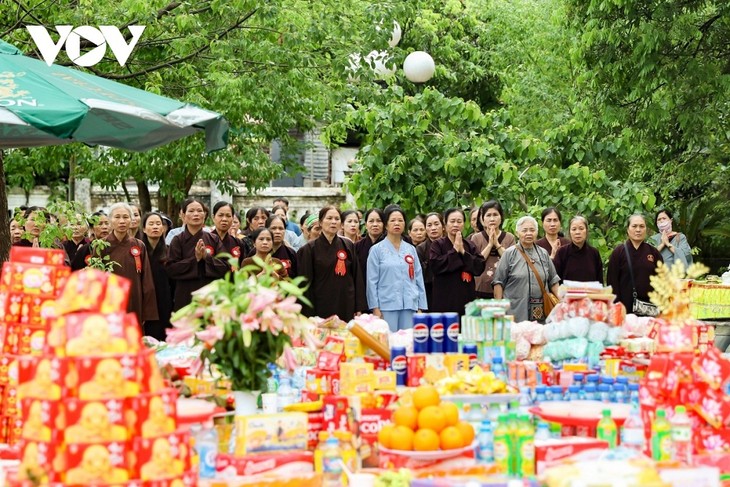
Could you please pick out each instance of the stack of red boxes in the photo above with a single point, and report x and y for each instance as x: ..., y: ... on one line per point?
x: 94, y: 406
x: 30, y: 282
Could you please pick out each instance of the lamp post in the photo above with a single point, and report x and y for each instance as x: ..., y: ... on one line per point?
x: 419, y: 67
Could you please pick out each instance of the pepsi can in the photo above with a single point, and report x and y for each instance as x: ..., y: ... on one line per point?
x: 451, y: 338
x: 473, y: 352
x: 399, y: 365
x: 420, y: 333
x: 436, y: 333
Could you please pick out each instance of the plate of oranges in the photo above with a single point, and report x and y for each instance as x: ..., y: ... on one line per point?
x: 427, y: 428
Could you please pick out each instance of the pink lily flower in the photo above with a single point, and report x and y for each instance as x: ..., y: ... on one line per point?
x: 179, y: 335
x: 210, y: 335
x: 261, y: 300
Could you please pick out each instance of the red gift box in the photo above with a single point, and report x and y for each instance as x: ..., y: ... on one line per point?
x: 371, y: 422
x: 99, y: 334
x: 95, y: 421
x: 113, y: 377
x: 44, y: 461
x: 44, y: 377
x: 96, y: 463
x: 674, y: 338
x: 149, y: 376
x: 290, y: 463
x: 712, y: 368
x: 548, y: 452
x: 153, y: 414
x: 31, y: 279
x: 315, y: 424
x: 38, y: 256
x: 337, y: 414
x: 163, y: 457
x: 378, y: 362
x: 43, y: 420
x: 323, y: 381
x: 94, y: 290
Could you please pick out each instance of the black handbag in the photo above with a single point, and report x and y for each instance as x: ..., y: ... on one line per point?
x: 639, y: 307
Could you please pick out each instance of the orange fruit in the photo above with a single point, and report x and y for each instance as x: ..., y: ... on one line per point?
x: 406, y: 416
x: 432, y: 417
x: 401, y: 438
x: 384, y: 434
x: 467, y: 432
x: 451, y: 412
x: 426, y: 440
x: 426, y: 396
x: 451, y: 438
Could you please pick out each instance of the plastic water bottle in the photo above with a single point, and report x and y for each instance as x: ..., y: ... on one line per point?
x: 607, y: 379
x: 573, y: 393
x: 543, y: 431
x: 540, y: 394
x: 577, y: 379
x: 272, y: 383
x: 621, y: 379
x: 285, y: 394
x: 619, y: 393
x: 498, y: 369
x: 206, y: 445
x: 634, y: 393
x: 485, y: 443
x: 606, y: 429
x: 557, y: 393
x: 632, y: 433
x: 592, y: 379
x: 590, y: 392
x: 604, y: 393
x: 681, y: 436
x: 331, y: 463
x: 661, y: 437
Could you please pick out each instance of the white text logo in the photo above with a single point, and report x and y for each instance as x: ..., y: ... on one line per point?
x: 71, y: 37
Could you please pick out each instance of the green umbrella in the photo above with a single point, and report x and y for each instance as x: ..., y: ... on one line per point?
x: 51, y: 105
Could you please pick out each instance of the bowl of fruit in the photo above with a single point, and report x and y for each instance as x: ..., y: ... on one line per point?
x: 427, y: 429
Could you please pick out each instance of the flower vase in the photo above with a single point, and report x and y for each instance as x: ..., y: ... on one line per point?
x: 246, y: 402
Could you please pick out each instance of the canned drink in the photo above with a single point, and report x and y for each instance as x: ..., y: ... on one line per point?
x: 451, y: 338
x: 399, y: 365
x: 436, y: 333
x: 471, y: 350
x: 420, y: 333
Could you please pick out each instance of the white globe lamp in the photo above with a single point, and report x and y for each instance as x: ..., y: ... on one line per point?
x: 419, y: 67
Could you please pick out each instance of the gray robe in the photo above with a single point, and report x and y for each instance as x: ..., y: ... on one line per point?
x: 518, y: 281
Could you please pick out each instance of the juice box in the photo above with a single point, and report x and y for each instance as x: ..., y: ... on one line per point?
x: 271, y: 433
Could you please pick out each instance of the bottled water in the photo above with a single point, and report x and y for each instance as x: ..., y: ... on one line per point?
x: 285, y: 394
x: 543, y: 431
x: 681, y: 436
x: 206, y: 445
x: 632, y: 433
x: 485, y: 442
x: 540, y: 394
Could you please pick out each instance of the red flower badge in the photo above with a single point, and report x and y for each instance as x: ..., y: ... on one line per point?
x: 236, y: 251
x: 466, y: 277
x: 411, y: 267
x: 286, y: 263
x: 209, y: 250
x: 136, y: 252
x: 87, y: 259
x: 340, y: 269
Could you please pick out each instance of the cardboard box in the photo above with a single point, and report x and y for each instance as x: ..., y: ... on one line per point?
x: 100, y: 334
x: 385, y: 380
x: 338, y: 414
x: 152, y: 414
x: 291, y: 463
x: 37, y: 256
x: 43, y: 460
x: 550, y: 451
x: 113, y: 377
x: 44, y: 377
x: 323, y: 381
x: 315, y: 424
x: 356, y: 378
x: 43, y: 420
x: 269, y: 433
x: 95, y: 421
x: 97, y: 463
x: 163, y: 457
x: 371, y: 422
x: 34, y: 280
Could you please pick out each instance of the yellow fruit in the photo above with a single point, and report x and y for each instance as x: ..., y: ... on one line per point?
x: 426, y: 440
x: 451, y: 438
x: 467, y: 432
x: 384, y: 435
x: 432, y: 417
x: 451, y: 412
x: 426, y: 396
x: 401, y: 438
x: 406, y: 416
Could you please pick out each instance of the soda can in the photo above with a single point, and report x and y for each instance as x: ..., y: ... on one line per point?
x: 420, y: 333
x: 399, y: 365
x: 451, y: 338
x: 436, y: 333
x: 471, y: 350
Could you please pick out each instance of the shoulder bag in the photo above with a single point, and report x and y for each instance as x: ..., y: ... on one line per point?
x: 639, y: 308
x: 549, y: 300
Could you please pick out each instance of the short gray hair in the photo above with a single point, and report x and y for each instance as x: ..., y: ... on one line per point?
x: 525, y: 219
x: 579, y: 218
x: 116, y: 206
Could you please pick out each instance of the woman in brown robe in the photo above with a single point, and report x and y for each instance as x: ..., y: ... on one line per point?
x: 154, y: 240
x: 491, y: 242
x: 263, y: 244
x: 191, y: 260
x: 130, y: 256
x: 281, y: 250
x: 223, y: 219
x: 434, y: 231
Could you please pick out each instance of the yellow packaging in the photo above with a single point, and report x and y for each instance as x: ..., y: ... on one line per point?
x: 270, y: 433
x: 575, y: 367
x: 356, y: 378
x: 435, y: 368
x: 385, y: 380
x: 455, y: 362
x: 353, y: 347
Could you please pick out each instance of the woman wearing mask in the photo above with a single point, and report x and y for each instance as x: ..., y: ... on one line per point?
x: 332, y: 269
x: 643, y: 262
x: 153, y: 229
x: 434, y: 231
x: 191, y: 261
x: 395, y: 287
x: 672, y: 244
x: 374, y: 230
x: 280, y: 250
x: 351, y: 225
x: 263, y: 241
x: 515, y: 278
x: 491, y: 242
x: 552, y: 225
x: 455, y: 263
x: 578, y: 261
x: 417, y: 231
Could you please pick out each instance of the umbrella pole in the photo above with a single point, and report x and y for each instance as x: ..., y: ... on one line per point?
x: 4, y: 217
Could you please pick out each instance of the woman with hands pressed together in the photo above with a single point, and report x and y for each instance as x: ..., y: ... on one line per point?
x: 455, y: 263
x: 552, y: 224
x: 491, y: 242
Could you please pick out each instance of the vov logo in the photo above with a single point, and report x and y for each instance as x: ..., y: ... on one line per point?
x: 105, y: 35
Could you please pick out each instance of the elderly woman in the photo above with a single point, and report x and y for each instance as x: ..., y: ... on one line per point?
x: 417, y: 230
x: 455, y: 263
x: 578, y: 261
x: 491, y: 241
x: 672, y: 244
x: 521, y: 272
x: 632, y: 264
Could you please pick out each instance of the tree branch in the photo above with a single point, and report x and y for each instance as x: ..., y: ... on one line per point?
x: 28, y: 13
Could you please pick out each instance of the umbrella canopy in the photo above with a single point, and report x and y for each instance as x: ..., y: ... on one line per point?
x: 51, y: 105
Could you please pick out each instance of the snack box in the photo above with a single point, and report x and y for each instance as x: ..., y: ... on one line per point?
x: 42, y: 460
x: 31, y: 279
x: 415, y: 369
x: 96, y: 463
x: 95, y: 421
x: 269, y: 433
x: 32, y: 340
x: 337, y: 413
x: 43, y: 420
x: 384, y: 380
x: 166, y: 456
x: 38, y: 256
x: 294, y: 463
x: 356, y: 378
x: 315, y: 424
x: 323, y: 381
x: 550, y: 451
x: 44, y: 377
x: 113, y: 377
x: 371, y: 422
x: 152, y: 414
x: 94, y: 290
x: 99, y: 334
x: 26, y: 309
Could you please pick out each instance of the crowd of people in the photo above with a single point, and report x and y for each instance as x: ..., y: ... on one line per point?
x: 379, y: 261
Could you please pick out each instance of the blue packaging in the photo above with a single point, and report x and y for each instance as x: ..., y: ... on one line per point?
x: 399, y: 365
x: 473, y: 352
x: 421, y: 322
x: 451, y: 338
x: 590, y: 392
x: 436, y: 333
x: 604, y: 393
x: 540, y: 394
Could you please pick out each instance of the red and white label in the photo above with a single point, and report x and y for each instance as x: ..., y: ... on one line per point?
x: 420, y: 333
x: 437, y: 332
x: 399, y: 364
x: 453, y: 332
